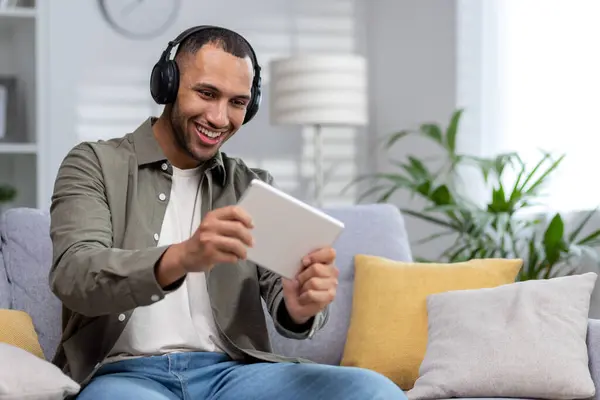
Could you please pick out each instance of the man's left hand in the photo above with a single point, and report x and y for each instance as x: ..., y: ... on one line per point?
x: 314, y: 288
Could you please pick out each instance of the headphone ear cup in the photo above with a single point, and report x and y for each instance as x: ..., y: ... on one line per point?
x: 255, y: 102
x: 171, y: 82
x: 156, y: 83
x: 164, y: 82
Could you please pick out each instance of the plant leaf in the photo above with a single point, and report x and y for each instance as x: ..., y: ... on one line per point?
x: 418, y: 168
x: 386, y: 196
x: 441, y: 196
x: 583, y: 223
x: 452, y: 131
x: 553, y: 238
x: 7, y: 193
x: 431, y: 219
x: 534, y: 186
x: 433, y: 237
x: 589, y: 239
x: 394, y: 137
x: 371, y: 191
x: 433, y: 132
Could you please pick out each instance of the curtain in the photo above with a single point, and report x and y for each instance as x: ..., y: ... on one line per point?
x: 528, y: 76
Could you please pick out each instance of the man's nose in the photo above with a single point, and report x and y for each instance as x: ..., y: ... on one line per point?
x: 217, y: 114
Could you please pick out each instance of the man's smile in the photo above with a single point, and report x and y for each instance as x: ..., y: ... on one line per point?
x: 208, y: 136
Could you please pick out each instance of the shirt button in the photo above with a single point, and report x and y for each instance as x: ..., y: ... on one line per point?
x: 164, y: 166
x: 162, y: 197
x: 154, y: 297
x: 121, y: 317
x: 156, y: 236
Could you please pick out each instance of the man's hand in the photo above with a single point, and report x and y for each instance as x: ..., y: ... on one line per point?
x: 314, y: 287
x: 222, y: 237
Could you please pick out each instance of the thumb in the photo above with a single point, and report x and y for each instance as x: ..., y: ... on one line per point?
x: 290, y: 286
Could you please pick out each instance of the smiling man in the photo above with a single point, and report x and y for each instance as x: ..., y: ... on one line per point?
x: 150, y: 253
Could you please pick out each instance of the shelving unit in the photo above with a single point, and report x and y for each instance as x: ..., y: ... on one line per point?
x: 12, y: 15
x: 20, y: 146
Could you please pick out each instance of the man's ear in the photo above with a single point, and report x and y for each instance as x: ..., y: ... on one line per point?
x: 168, y: 109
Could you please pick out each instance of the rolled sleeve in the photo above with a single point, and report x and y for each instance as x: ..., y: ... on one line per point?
x: 286, y: 327
x: 272, y: 293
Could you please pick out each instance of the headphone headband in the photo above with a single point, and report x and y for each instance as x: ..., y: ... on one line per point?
x: 190, y: 31
x: 164, y: 80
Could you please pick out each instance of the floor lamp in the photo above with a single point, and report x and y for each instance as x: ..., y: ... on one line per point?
x: 319, y: 91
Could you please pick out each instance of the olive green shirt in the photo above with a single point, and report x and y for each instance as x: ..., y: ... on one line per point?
x: 106, y: 215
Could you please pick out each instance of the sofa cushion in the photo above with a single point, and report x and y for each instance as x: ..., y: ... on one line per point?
x: 16, y: 328
x: 376, y: 229
x: 27, y: 252
x: 4, y: 286
x: 525, y: 339
x: 24, y: 376
x: 388, y: 330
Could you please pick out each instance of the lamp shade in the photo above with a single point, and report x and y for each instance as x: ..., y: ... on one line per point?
x: 319, y: 90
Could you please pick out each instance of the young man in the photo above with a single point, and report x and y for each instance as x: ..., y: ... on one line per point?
x: 149, y: 253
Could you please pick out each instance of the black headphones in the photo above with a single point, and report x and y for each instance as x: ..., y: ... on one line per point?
x: 164, y: 80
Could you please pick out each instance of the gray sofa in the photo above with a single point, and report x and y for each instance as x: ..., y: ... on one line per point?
x: 25, y: 256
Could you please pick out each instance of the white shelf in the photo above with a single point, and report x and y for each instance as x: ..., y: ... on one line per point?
x: 18, y: 148
x: 16, y: 13
x: 14, y: 18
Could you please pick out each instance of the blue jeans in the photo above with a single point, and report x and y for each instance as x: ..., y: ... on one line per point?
x: 199, y: 376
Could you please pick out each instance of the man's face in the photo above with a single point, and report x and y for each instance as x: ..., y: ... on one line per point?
x: 214, y: 92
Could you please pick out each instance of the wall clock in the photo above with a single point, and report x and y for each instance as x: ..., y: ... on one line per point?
x: 139, y: 19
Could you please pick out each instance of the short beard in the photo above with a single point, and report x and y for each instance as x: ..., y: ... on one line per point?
x: 178, y: 127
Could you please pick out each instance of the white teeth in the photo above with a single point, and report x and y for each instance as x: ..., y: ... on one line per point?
x: 210, y: 134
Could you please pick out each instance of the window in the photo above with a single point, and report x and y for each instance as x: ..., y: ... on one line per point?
x: 529, y: 79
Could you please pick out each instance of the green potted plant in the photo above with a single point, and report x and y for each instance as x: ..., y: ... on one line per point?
x: 506, y: 225
x: 7, y: 194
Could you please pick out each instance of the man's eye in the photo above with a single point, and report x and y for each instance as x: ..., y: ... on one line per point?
x: 206, y: 93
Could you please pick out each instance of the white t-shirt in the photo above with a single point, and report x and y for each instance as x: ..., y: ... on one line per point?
x: 183, y: 320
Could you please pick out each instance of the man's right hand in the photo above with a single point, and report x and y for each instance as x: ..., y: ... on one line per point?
x: 222, y: 237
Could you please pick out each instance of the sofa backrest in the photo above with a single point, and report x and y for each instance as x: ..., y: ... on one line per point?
x: 374, y: 229
x: 4, y: 286
x: 27, y: 253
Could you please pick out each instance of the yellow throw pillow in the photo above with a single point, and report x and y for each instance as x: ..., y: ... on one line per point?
x: 16, y: 328
x: 388, y: 326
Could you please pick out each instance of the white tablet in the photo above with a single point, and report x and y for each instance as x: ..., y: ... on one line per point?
x: 285, y: 228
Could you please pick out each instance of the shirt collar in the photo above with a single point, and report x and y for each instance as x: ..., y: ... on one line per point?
x: 148, y: 151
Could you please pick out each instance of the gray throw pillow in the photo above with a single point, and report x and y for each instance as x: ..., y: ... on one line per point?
x: 524, y: 340
x: 24, y: 376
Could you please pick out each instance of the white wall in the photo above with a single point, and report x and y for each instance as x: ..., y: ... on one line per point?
x: 98, y: 79
x: 412, y: 55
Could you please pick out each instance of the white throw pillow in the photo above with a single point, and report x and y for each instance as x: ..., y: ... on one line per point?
x: 24, y: 376
x: 524, y: 340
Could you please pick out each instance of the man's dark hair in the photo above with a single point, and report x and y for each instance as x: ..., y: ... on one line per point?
x: 229, y: 41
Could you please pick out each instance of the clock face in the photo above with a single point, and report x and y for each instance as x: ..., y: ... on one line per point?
x: 140, y: 19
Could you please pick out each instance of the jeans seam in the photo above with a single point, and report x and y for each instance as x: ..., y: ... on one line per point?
x: 182, y: 382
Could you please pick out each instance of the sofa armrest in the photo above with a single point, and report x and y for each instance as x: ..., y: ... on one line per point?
x: 593, y: 343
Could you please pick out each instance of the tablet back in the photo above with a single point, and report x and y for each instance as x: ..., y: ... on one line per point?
x: 285, y: 229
